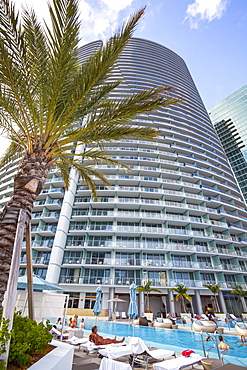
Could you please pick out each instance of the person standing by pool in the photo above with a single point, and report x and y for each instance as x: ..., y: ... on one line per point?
x: 98, y: 340
x: 82, y: 324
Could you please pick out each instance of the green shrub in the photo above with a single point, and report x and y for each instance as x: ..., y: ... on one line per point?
x: 27, y: 337
x: 4, y: 337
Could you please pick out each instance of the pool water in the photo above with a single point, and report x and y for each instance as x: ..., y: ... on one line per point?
x: 176, y: 340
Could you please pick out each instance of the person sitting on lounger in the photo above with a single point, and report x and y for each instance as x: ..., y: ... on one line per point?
x: 98, y: 340
x: 222, y: 345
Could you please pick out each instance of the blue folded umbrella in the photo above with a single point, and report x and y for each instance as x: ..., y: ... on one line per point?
x: 97, y: 307
x: 133, y: 309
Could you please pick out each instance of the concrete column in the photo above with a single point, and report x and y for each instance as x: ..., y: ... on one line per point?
x: 222, y: 302
x: 54, y: 268
x: 171, y: 302
x: 141, y: 303
x: 243, y: 304
x: 199, y: 309
x: 111, y: 304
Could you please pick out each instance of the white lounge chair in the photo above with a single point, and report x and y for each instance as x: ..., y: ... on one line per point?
x: 233, y: 317
x: 124, y: 316
x: 206, y: 325
x: 178, y: 363
x: 75, y: 341
x: 204, y: 316
x: 113, y: 352
x: 90, y: 347
x: 241, y: 329
x: 58, y: 333
x: 117, y: 314
x: 139, y: 348
x: 107, y: 364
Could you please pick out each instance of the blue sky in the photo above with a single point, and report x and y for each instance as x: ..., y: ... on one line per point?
x: 215, y: 51
x: 210, y: 35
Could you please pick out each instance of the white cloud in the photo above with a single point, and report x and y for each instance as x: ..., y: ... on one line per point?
x: 205, y: 10
x: 100, y: 18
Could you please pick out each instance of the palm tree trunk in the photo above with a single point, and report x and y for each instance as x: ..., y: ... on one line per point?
x: 183, y: 304
x: 242, y: 299
x: 216, y: 303
x: 148, y: 303
x: 28, y: 183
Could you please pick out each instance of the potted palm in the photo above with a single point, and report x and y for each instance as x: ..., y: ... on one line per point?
x: 242, y: 294
x: 146, y: 289
x: 214, y: 288
x: 181, y: 293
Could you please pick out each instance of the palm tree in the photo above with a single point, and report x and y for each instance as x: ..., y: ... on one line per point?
x: 50, y: 102
x: 238, y: 289
x: 147, y: 290
x: 214, y: 288
x: 182, y: 294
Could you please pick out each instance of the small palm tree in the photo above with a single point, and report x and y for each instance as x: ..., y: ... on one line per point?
x: 50, y: 102
x: 241, y: 294
x: 214, y: 288
x: 147, y: 290
x: 182, y: 294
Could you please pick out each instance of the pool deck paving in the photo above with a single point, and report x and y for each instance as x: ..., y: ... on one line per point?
x: 84, y: 361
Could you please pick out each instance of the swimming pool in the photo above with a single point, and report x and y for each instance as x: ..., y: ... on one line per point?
x: 176, y: 340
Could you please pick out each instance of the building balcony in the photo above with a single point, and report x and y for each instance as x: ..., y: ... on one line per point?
x: 40, y: 261
x: 54, y: 192
x: 43, y: 244
x: 48, y: 230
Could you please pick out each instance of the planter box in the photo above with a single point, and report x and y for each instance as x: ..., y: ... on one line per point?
x: 185, y: 316
x: 60, y: 358
x: 244, y: 316
x: 221, y: 316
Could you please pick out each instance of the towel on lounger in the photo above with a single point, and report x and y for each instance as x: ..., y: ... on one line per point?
x: 177, y: 362
x: 107, y: 364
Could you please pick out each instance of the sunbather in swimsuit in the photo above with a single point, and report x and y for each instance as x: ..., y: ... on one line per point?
x: 98, y: 340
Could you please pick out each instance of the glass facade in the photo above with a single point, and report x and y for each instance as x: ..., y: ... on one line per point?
x: 177, y: 217
x: 229, y: 117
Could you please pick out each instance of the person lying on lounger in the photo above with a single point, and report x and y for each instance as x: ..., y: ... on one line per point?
x: 98, y: 340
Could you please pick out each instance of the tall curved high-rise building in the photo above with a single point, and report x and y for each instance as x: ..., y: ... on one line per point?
x: 177, y: 217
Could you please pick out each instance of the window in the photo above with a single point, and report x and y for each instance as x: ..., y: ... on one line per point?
x: 73, y: 299
x: 90, y: 300
x: 73, y: 241
x: 40, y: 272
x: 93, y: 276
x: 99, y: 241
x: 207, y: 278
x: 98, y: 258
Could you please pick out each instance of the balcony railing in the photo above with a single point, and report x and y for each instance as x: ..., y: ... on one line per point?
x: 43, y: 243
x: 40, y: 260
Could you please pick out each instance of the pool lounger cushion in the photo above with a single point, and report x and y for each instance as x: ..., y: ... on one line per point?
x: 107, y: 364
x: 139, y: 347
x: 178, y: 363
x: 113, y: 352
x: 92, y: 348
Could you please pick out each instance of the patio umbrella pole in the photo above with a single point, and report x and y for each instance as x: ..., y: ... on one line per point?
x: 29, y: 272
x: 64, y: 316
x: 11, y: 292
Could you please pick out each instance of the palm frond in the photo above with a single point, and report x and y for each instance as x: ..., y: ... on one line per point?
x: 12, y: 151
x: 156, y: 290
x: 64, y: 169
